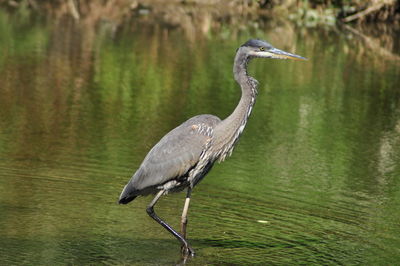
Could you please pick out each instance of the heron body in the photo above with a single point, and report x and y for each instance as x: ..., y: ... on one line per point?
x: 182, y: 158
x: 175, y: 162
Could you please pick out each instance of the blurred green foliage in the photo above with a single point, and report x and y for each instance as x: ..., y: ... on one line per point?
x: 306, y: 12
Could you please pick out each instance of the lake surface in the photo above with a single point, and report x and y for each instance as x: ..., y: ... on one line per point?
x: 315, y: 178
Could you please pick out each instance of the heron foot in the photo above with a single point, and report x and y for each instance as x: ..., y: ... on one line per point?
x: 187, y: 250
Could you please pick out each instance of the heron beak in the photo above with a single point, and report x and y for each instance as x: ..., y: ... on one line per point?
x: 279, y: 54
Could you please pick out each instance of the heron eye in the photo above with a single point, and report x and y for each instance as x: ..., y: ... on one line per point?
x: 262, y: 48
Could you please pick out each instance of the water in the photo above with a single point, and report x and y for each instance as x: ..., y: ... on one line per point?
x: 314, y: 179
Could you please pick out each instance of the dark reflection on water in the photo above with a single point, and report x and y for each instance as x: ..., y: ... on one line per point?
x: 314, y: 179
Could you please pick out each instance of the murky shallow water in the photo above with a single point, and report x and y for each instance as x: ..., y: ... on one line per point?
x: 314, y: 179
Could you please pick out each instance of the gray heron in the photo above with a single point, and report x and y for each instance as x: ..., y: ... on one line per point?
x: 182, y: 158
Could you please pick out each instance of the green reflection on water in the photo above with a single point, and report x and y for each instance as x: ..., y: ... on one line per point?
x: 79, y: 109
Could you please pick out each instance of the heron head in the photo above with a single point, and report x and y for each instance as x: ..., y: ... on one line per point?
x: 260, y: 48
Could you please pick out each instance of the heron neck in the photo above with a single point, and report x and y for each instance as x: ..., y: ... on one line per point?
x: 229, y: 130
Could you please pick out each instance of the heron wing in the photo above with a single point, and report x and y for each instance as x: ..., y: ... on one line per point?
x: 175, y: 154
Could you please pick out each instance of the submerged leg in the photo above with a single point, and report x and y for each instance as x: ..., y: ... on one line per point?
x: 150, y: 211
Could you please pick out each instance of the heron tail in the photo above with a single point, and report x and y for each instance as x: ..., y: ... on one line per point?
x: 127, y: 195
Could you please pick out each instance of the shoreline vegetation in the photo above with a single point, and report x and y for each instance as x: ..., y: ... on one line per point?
x: 307, y: 12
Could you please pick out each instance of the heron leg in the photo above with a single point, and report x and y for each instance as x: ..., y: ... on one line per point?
x: 184, y: 219
x: 187, y: 250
